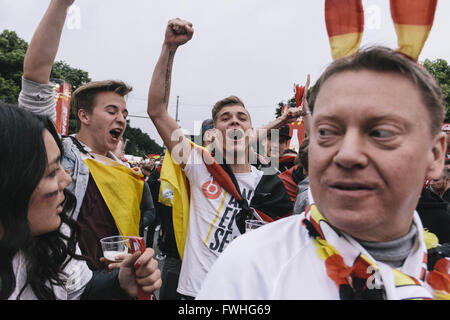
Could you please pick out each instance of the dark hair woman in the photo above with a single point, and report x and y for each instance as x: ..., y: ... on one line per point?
x: 39, y: 256
x: 32, y: 182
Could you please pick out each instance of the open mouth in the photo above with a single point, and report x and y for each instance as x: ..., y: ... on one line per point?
x: 235, y: 134
x: 115, y: 133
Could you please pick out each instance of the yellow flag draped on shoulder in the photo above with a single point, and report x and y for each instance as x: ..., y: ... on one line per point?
x: 174, y: 193
x: 121, y: 188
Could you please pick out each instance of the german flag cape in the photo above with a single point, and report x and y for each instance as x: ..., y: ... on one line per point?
x: 344, y: 21
x: 426, y: 264
x: 270, y: 199
x: 174, y: 192
x: 121, y: 188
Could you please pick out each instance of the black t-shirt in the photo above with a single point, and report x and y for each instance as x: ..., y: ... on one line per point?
x: 96, y: 222
x: 434, y: 213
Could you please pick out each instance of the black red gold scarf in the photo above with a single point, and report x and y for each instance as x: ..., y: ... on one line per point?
x: 367, y: 279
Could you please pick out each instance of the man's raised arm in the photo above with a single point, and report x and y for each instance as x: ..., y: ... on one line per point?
x: 178, y: 32
x: 42, y: 50
x: 37, y: 95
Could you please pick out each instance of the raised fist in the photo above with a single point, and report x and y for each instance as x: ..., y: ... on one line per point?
x: 178, y: 32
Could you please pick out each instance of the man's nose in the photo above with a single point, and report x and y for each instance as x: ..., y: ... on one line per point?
x: 121, y: 118
x: 235, y: 121
x: 351, y: 152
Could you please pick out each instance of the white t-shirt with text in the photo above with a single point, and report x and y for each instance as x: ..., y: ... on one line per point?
x: 212, y: 224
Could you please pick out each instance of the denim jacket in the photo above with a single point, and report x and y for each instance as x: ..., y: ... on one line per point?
x: 78, y: 171
x: 40, y: 99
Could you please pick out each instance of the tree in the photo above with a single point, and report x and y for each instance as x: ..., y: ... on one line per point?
x: 290, y: 104
x: 440, y: 70
x: 12, y: 54
x: 139, y: 143
x: 76, y: 77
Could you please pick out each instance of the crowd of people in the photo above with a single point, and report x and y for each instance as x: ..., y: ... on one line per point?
x: 360, y: 211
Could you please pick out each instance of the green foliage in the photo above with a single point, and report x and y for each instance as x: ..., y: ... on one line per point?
x: 440, y: 70
x: 290, y: 103
x: 12, y: 54
x: 76, y: 77
x: 139, y: 143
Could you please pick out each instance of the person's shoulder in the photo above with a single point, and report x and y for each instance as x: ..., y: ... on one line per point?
x: 154, y: 174
x: 72, y: 158
x: 270, y: 182
x: 303, y: 186
x: 70, y: 149
x: 256, y: 172
x: 195, y: 164
x: 251, y: 266
x: 281, y: 237
x: 428, y: 196
x: 195, y: 156
x: 287, y: 176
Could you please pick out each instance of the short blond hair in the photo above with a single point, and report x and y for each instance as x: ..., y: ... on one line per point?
x: 229, y: 101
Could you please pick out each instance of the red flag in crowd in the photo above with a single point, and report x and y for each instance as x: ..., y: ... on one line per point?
x: 63, y: 94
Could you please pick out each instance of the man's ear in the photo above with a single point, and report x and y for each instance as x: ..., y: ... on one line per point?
x: 437, y: 156
x: 84, y: 116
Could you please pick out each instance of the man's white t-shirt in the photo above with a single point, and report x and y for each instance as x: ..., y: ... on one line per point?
x: 212, y: 224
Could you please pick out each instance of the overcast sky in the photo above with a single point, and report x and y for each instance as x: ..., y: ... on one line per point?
x: 255, y: 49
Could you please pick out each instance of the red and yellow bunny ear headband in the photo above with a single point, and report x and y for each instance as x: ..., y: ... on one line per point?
x: 345, y: 25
